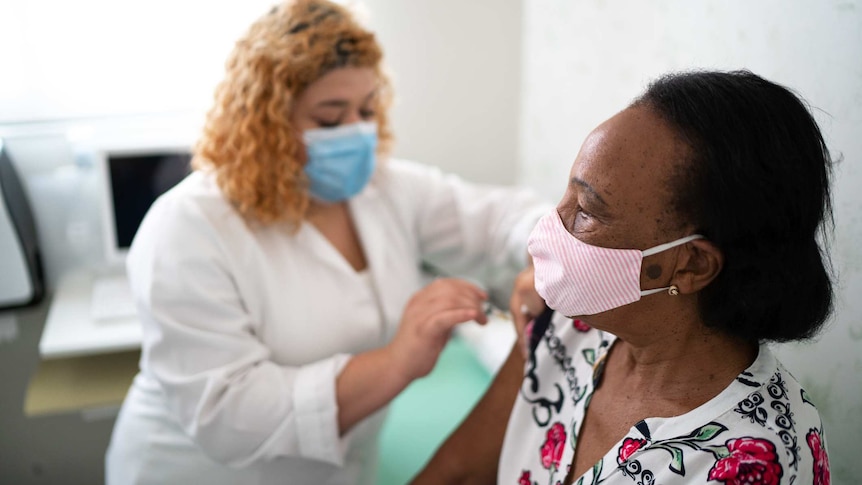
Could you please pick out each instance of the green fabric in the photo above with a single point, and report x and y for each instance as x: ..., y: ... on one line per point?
x: 426, y: 413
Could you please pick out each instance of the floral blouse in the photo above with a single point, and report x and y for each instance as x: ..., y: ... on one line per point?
x: 762, y: 429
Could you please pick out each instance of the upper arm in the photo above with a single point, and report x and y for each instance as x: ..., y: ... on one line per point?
x: 471, y: 453
x: 465, y: 229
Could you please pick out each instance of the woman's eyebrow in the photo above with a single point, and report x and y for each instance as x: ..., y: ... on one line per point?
x: 590, y: 190
x: 332, y: 103
x: 341, y: 103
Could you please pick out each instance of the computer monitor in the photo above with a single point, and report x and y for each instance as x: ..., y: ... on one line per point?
x: 132, y: 181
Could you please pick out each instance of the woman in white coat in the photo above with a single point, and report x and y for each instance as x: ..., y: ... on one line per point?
x: 280, y: 286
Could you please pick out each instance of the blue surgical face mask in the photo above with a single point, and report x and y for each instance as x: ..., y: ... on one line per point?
x: 341, y: 160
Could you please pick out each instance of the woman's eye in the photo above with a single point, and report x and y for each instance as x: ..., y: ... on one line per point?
x: 327, y: 123
x: 367, y: 114
x: 581, y: 216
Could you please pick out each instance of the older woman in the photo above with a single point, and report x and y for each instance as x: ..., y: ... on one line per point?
x: 686, y: 241
x: 280, y: 286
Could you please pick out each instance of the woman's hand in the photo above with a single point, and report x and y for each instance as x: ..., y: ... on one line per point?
x: 427, y: 323
x: 525, y: 305
x: 372, y: 379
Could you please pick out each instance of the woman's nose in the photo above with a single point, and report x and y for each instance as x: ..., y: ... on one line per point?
x: 353, y: 116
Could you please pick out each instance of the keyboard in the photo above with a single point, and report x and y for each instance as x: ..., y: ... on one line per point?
x: 112, y: 298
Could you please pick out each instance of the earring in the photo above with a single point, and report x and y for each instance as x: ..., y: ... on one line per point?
x: 673, y: 290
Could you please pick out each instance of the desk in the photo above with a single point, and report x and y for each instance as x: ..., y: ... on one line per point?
x: 85, y: 364
x: 70, y: 331
x: 93, y: 385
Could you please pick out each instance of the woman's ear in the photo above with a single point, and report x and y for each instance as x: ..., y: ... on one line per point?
x: 699, y: 263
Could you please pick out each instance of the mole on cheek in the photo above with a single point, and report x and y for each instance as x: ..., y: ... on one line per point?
x: 653, y: 271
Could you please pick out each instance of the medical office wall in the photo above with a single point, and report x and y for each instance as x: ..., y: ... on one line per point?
x: 456, y: 67
x: 585, y: 60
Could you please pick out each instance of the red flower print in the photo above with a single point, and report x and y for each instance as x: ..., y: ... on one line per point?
x: 580, y: 326
x: 528, y: 330
x: 751, y: 461
x: 628, y: 448
x: 552, y: 450
x: 821, y: 460
x: 525, y: 478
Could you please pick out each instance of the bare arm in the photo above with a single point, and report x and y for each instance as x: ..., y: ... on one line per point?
x: 367, y: 383
x: 471, y: 453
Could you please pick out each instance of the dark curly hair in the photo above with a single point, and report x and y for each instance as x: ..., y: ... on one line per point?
x: 757, y: 185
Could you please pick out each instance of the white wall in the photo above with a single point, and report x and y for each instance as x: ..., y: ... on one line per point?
x: 102, y: 57
x: 585, y: 60
x: 456, y: 66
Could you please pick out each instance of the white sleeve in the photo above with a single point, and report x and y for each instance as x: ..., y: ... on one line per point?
x: 200, y: 345
x: 471, y: 230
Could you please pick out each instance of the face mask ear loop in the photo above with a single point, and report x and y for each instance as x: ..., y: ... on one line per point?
x: 672, y: 244
x: 665, y: 247
x: 653, y: 291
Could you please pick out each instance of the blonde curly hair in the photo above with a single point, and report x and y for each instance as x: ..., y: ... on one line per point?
x: 248, y: 139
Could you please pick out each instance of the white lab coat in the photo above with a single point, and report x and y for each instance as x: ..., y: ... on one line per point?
x: 246, y: 328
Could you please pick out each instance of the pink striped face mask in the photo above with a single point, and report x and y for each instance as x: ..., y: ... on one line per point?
x: 575, y: 278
